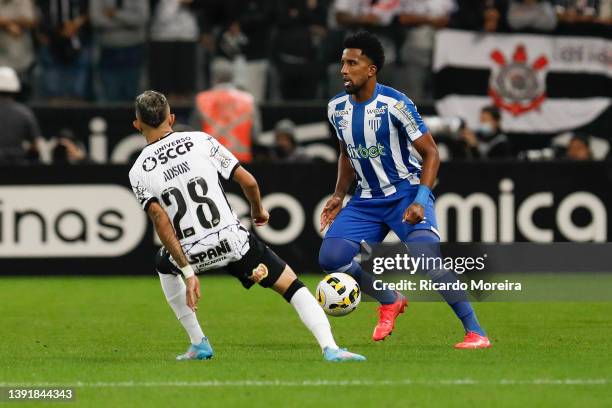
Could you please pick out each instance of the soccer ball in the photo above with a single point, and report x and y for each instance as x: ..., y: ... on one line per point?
x: 338, y: 294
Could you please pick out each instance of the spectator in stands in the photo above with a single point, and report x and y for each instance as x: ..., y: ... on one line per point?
x: 17, y: 18
x: 422, y: 18
x: 210, y: 14
x: 578, y: 148
x: 480, y: 15
x: 576, y: 11
x: 68, y: 149
x: 286, y: 148
x: 295, y: 53
x: 19, y: 132
x: 592, y: 17
x: 246, y: 41
x: 227, y: 113
x: 175, y: 33
x: 531, y: 15
x: 120, y: 30
x: 487, y: 141
x: 369, y: 14
x: 65, y: 49
x: 604, y: 13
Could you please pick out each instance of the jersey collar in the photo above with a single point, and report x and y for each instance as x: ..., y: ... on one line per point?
x: 161, y: 138
x: 374, y: 96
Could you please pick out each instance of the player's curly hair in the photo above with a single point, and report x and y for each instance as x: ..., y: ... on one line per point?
x: 369, y: 45
x: 151, y: 108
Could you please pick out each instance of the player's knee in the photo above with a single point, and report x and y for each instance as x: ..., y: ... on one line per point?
x: 295, y: 285
x: 424, y: 242
x: 423, y: 235
x: 336, y: 253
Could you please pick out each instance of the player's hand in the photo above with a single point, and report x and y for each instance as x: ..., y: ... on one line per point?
x: 331, y: 209
x: 193, y: 292
x: 260, y: 217
x: 414, y: 214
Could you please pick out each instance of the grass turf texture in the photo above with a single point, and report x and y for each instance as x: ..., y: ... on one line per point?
x: 109, y: 330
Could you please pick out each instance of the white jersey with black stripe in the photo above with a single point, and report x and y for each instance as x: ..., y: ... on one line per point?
x: 181, y: 172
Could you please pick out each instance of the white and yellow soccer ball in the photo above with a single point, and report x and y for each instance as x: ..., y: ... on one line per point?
x: 338, y: 294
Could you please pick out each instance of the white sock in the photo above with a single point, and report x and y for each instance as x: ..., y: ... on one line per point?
x: 313, y: 317
x: 174, y: 289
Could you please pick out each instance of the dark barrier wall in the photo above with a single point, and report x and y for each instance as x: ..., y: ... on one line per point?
x: 84, y: 220
x: 110, y: 138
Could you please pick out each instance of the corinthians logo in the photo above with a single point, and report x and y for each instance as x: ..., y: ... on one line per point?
x: 518, y: 86
x: 149, y: 164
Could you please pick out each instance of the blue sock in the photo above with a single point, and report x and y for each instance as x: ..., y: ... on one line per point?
x: 427, y: 242
x: 466, y: 314
x: 385, y: 297
x: 336, y: 255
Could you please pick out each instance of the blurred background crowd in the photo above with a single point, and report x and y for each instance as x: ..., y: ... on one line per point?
x: 72, y: 52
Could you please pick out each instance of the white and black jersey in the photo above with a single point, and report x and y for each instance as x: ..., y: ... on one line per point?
x: 181, y: 172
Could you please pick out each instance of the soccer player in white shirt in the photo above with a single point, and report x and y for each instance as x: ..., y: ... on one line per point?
x: 176, y: 180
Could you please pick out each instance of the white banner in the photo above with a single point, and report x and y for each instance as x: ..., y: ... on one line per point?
x: 520, y: 67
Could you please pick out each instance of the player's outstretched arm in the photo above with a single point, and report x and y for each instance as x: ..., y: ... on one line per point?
x: 250, y: 188
x: 426, y: 146
x: 346, y: 176
x: 166, y: 234
x: 428, y: 150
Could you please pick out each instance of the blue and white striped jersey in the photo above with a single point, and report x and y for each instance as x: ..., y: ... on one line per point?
x: 378, y: 134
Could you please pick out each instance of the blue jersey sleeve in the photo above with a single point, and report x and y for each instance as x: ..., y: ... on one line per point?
x: 331, y: 108
x: 405, y: 115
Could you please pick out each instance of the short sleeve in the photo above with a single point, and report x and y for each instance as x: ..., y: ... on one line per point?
x: 406, y: 115
x: 143, y: 195
x: 223, y: 160
x: 330, y: 117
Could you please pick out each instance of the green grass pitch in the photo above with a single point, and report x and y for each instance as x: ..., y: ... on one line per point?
x: 115, y: 340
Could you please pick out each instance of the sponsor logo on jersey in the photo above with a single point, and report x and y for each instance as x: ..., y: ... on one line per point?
x: 222, y: 158
x: 177, y: 170
x: 361, y: 152
x: 403, y: 110
x: 341, y: 113
x: 343, y: 124
x: 141, y: 193
x: 213, y: 254
x: 166, y: 153
x: 149, y: 164
x: 378, y: 111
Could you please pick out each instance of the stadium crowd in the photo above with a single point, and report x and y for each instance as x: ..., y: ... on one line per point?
x: 106, y: 51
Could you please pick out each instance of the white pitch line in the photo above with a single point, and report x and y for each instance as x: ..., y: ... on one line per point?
x: 309, y: 383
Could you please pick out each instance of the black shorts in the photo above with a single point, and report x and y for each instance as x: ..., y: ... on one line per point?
x: 259, y: 253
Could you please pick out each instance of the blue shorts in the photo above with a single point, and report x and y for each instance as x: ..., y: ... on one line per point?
x: 371, y: 219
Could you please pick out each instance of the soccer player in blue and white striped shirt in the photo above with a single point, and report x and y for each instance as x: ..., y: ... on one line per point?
x: 379, y: 128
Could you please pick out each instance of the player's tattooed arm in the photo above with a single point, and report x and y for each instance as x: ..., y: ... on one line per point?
x: 250, y: 188
x: 166, y: 233
x: 346, y: 177
x: 428, y: 150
